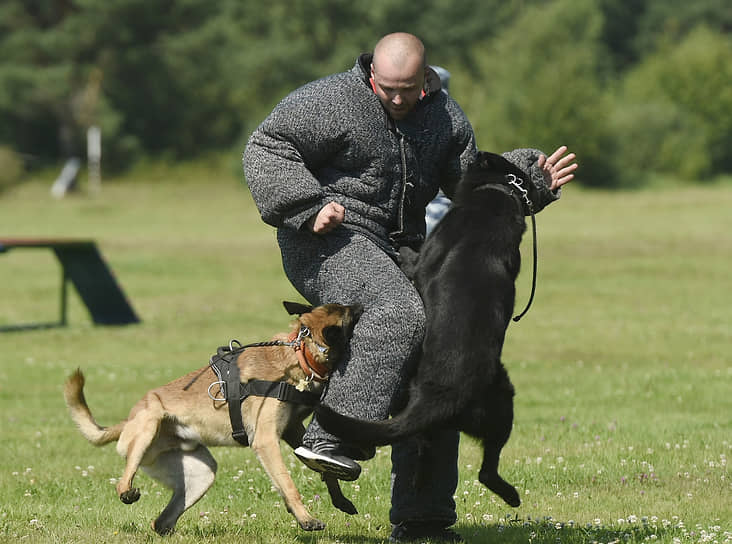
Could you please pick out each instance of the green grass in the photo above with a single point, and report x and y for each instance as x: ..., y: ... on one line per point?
x: 622, y: 368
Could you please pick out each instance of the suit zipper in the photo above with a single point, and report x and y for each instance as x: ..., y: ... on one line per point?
x: 403, y: 154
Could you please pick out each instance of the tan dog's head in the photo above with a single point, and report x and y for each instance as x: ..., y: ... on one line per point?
x: 330, y: 326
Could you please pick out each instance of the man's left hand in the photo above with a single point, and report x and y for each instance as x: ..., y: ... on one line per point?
x: 558, y: 168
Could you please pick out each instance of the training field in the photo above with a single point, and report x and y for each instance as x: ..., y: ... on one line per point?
x: 623, y: 369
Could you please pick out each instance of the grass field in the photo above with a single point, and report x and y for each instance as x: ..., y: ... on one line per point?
x: 623, y: 368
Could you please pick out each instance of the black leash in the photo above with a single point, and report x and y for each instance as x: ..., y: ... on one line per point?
x: 533, y: 281
x: 517, y: 183
x: 516, y: 189
x: 237, y: 351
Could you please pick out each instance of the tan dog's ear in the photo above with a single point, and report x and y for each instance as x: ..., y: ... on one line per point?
x: 296, y: 308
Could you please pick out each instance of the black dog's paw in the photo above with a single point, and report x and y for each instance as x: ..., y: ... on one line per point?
x: 512, y: 498
x: 501, y: 487
x: 344, y: 505
x: 162, y: 530
x: 337, y: 497
x: 128, y: 497
x: 508, y: 493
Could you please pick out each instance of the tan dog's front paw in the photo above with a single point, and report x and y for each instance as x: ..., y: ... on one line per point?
x: 312, y: 525
x: 128, y: 497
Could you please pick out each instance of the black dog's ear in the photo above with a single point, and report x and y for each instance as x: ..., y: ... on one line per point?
x: 296, y: 308
x: 494, y: 162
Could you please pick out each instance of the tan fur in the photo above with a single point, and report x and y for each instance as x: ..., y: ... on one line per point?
x: 168, y: 432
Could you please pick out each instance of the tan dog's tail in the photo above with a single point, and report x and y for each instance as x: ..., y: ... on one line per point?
x: 82, y: 416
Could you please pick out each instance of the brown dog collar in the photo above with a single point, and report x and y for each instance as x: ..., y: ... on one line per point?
x: 312, y: 368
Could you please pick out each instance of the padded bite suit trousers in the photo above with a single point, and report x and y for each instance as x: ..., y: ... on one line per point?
x: 346, y: 267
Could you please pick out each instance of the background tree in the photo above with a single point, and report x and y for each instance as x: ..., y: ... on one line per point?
x: 675, y: 108
x: 178, y: 78
x: 542, y: 82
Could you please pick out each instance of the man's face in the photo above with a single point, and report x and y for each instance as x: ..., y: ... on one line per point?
x: 398, y: 87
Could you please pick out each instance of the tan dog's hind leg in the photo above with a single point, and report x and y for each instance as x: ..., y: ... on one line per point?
x: 189, y: 474
x: 134, y: 442
x: 266, y: 446
x: 293, y: 436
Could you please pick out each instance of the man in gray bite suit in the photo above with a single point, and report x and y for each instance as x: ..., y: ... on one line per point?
x: 344, y: 167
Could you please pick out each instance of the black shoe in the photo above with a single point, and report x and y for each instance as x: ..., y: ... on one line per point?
x: 327, y: 457
x: 415, y: 532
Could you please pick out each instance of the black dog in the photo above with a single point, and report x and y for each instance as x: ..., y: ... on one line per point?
x: 465, y: 274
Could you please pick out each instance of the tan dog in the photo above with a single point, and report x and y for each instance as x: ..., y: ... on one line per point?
x: 168, y: 431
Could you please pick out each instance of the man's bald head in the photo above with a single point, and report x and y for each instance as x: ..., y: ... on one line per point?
x: 399, y: 49
x: 397, y: 69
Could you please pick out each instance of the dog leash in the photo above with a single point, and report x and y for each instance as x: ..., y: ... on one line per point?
x: 309, y: 366
x: 231, y: 349
x: 516, y: 189
x: 518, y: 183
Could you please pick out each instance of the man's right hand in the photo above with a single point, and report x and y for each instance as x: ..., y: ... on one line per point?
x: 329, y: 217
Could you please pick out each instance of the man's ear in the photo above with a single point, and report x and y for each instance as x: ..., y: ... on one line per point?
x: 296, y: 308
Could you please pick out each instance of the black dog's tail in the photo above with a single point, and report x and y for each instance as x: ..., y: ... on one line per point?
x: 416, y: 418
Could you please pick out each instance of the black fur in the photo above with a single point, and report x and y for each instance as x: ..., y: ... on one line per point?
x: 465, y: 274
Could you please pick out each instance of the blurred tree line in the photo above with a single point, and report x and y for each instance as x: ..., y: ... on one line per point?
x: 635, y: 87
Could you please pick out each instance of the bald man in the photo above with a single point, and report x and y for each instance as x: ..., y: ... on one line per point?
x: 344, y: 167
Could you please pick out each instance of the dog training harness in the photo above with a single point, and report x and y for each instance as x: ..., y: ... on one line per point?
x: 234, y: 392
x: 517, y: 190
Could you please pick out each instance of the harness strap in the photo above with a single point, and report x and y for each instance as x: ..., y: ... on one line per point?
x: 283, y: 391
x: 234, y: 391
x: 231, y: 380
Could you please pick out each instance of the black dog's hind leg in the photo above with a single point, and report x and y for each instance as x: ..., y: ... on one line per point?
x: 492, y: 480
x: 496, y: 430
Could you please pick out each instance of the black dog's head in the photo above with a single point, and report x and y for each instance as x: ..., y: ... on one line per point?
x: 491, y: 169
